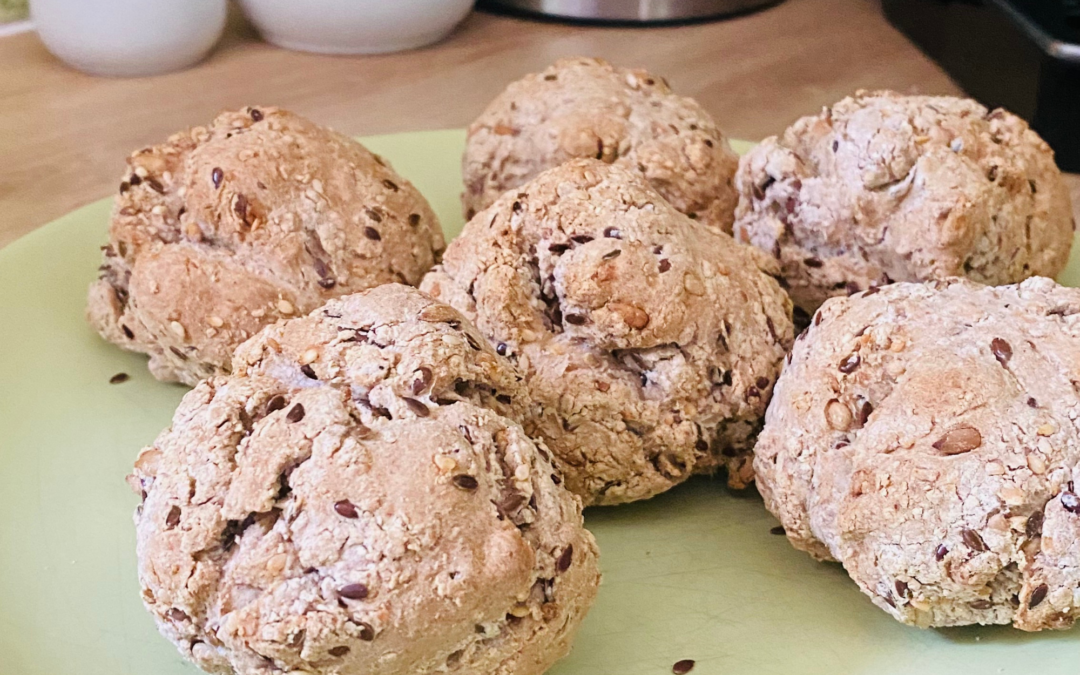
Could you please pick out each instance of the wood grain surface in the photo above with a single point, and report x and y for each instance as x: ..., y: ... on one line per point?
x: 64, y: 135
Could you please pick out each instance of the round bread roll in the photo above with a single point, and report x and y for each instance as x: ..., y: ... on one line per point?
x: 883, y: 187
x: 259, y: 216
x: 925, y: 437
x: 353, y: 501
x: 650, y: 343
x: 581, y: 108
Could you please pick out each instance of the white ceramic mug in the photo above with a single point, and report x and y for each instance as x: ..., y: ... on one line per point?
x: 129, y: 38
x: 355, y: 26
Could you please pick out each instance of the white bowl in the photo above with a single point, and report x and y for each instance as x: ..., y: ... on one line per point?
x: 354, y: 26
x: 129, y: 38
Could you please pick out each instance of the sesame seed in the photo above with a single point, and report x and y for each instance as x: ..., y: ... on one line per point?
x: 285, y: 307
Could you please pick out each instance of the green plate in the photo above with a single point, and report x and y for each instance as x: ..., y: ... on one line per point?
x: 693, y: 574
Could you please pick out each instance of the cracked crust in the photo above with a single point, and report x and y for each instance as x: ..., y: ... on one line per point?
x: 258, y: 216
x: 925, y: 437
x: 382, y: 517
x: 580, y: 108
x: 883, y: 187
x: 651, y: 344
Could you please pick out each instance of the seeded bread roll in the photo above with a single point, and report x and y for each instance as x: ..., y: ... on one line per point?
x: 352, y: 500
x: 581, y: 108
x: 259, y: 216
x: 649, y: 342
x: 883, y: 187
x: 924, y: 436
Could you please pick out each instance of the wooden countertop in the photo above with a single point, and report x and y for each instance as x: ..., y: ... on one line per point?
x: 64, y: 135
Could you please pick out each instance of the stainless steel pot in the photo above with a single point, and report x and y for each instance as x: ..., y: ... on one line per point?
x: 635, y: 11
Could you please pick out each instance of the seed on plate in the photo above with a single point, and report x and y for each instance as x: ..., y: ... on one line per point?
x: 779, y: 529
x: 683, y: 667
x: 119, y: 378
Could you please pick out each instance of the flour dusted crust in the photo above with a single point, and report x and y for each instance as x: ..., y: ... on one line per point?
x: 260, y: 215
x: 651, y: 344
x: 925, y: 436
x: 883, y: 187
x: 357, y: 499
x: 580, y: 108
